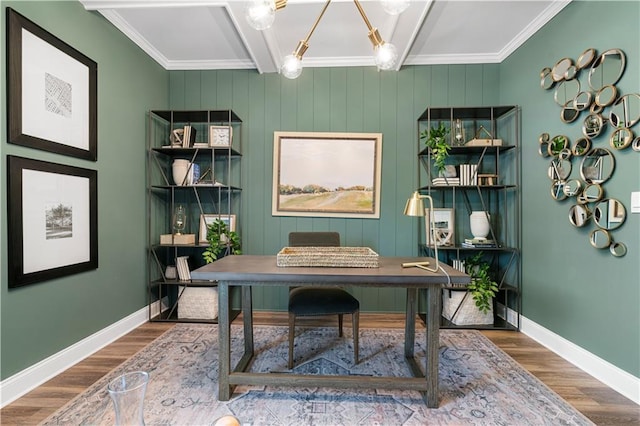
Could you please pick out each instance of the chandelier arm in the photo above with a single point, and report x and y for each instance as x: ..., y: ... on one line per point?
x: 315, y: 24
x: 364, y: 15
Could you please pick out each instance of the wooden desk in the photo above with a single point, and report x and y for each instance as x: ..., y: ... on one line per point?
x: 247, y: 271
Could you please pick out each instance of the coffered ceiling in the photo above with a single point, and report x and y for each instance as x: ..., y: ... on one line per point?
x: 205, y: 34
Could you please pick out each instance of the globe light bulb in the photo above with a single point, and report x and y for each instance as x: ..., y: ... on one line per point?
x: 261, y: 13
x: 292, y: 67
x: 394, y: 7
x: 386, y: 56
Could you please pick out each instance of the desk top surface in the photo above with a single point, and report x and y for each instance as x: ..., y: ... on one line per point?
x: 263, y: 269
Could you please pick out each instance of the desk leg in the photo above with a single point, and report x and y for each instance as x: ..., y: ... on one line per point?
x: 410, y: 322
x: 224, y: 342
x: 247, y: 315
x: 434, y: 302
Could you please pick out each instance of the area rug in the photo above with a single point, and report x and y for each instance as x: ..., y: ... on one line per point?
x: 479, y: 383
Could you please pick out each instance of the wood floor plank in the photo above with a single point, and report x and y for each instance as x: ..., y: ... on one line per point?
x: 598, y: 402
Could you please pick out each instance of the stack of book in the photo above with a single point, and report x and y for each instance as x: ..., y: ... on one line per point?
x: 468, y: 174
x: 443, y: 181
x: 479, y: 243
x: 183, y: 268
x: 189, y: 136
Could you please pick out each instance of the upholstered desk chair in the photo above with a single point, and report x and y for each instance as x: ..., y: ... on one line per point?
x: 315, y: 301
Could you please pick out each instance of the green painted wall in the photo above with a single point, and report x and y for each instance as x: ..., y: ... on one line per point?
x: 42, y: 319
x: 334, y: 99
x: 585, y: 295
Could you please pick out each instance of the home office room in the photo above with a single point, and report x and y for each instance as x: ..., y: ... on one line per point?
x: 320, y: 212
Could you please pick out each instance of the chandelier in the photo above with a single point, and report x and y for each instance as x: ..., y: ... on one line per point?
x: 261, y: 14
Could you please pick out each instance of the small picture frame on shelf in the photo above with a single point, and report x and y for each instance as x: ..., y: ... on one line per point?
x: 208, y: 219
x: 442, y: 231
x: 220, y: 136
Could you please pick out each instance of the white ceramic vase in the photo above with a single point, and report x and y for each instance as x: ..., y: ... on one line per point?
x: 180, y: 168
x: 479, y: 221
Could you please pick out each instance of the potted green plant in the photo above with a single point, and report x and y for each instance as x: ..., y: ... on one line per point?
x: 221, y: 240
x: 436, y: 141
x: 482, y: 287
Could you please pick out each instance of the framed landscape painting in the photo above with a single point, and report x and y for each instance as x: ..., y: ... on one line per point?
x: 51, y: 92
x: 52, y: 220
x: 327, y: 174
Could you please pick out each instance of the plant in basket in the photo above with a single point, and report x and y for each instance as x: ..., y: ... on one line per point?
x: 482, y: 287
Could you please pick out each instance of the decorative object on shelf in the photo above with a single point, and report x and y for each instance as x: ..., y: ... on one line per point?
x: 479, y: 222
x: 327, y: 174
x: 439, y: 227
x: 171, y: 273
x: 52, y: 217
x: 208, y: 219
x: 127, y: 394
x: 197, y: 303
x: 605, y: 107
x: 436, y: 141
x: 458, y: 133
x: 386, y: 55
x: 51, y: 92
x: 179, y: 220
x: 220, y: 136
x: 221, y: 240
x: 175, y: 138
x: 488, y: 141
x: 180, y: 171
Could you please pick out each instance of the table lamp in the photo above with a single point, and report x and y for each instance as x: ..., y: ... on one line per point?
x: 415, y: 207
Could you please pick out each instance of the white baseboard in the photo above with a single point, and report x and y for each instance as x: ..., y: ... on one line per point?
x: 612, y: 376
x: 28, y: 379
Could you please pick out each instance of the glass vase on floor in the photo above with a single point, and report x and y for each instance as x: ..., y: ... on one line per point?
x: 127, y: 393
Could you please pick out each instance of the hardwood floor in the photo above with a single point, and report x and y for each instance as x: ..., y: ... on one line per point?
x: 595, y: 400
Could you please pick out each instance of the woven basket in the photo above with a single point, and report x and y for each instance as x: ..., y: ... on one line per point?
x: 335, y: 257
x: 198, y: 303
x: 467, y: 313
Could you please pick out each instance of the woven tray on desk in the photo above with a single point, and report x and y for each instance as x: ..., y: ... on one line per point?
x: 335, y: 257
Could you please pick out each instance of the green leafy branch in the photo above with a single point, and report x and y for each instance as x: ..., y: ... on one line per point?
x: 482, y: 287
x: 436, y: 141
x: 221, y: 240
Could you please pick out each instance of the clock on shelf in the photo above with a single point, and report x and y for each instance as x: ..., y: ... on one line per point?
x: 220, y: 136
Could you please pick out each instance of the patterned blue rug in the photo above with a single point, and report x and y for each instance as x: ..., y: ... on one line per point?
x: 479, y: 383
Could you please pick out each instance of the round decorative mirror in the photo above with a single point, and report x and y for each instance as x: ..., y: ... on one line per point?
x: 592, y: 125
x: 636, y: 144
x: 569, y: 113
x: 581, y: 147
x: 557, y: 190
x: 609, y: 214
x: 586, y: 58
x: 597, y: 166
x: 596, y: 109
x: 559, y: 70
x: 566, y: 92
x: 606, y: 95
x: 546, y: 81
x: 618, y: 249
x: 571, y: 72
x: 565, y: 154
x: 599, y: 238
x: 559, y: 169
x: 544, y: 137
x: 579, y: 215
x: 590, y: 194
x: 582, y: 101
x: 625, y: 112
x: 606, y: 69
x: 621, y: 138
x: 557, y: 144
x: 572, y: 187
x: 543, y: 149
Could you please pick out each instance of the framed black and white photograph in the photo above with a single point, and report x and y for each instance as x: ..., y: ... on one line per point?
x: 208, y: 219
x: 442, y: 231
x: 51, y: 92
x: 52, y: 220
x: 327, y: 174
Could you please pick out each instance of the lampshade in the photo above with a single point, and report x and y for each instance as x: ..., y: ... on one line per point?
x: 394, y: 7
x: 414, y: 206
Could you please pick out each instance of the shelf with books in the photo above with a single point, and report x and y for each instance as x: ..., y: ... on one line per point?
x: 194, y: 168
x: 481, y: 174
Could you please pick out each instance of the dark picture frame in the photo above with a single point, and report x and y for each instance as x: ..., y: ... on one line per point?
x: 327, y: 174
x: 52, y: 216
x: 51, y: 92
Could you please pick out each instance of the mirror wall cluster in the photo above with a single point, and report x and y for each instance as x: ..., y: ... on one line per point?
x: 585, y: 89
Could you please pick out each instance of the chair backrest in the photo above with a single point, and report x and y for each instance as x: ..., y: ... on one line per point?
x: 314, y: 239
